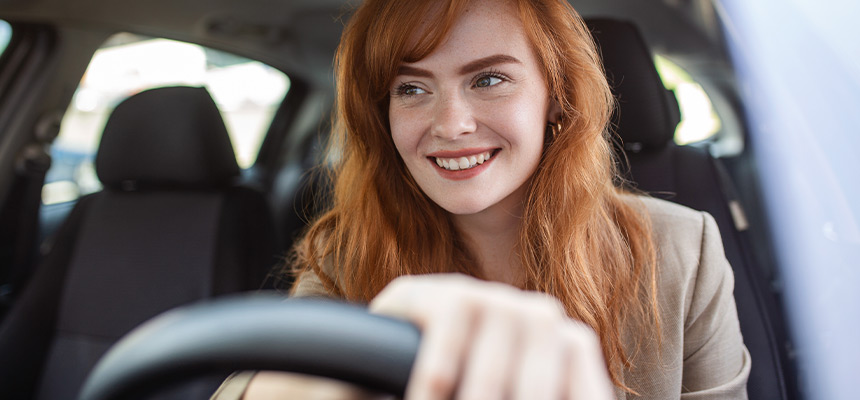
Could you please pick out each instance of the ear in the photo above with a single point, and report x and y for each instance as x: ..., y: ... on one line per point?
x: 553, y: 112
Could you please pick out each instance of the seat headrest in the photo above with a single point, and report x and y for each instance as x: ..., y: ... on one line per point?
x: 171, y: 137
x: 647, y: 113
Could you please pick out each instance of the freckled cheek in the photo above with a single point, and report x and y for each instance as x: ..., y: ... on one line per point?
x: 405, y: 132
x: 521, y: 123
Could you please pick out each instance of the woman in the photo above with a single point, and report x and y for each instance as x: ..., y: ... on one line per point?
x: 472, y: 138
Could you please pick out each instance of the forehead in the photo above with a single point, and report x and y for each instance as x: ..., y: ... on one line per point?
x: 481, y: 28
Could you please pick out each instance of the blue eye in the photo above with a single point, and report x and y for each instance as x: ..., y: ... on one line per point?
x: 408, y: 90
x: 487, y: 81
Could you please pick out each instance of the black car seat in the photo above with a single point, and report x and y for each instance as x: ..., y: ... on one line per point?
x: 170, y: 227
x: 645, y: 123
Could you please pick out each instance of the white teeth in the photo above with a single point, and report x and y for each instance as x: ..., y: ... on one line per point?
x: 464, y: 162
x: 456, y: 164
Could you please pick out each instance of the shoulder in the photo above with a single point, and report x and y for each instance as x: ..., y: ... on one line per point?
x: 702, y: 348
x: 690, y: 254
x: 671, y: 221
x: 682, y: 235
x: 316, y: 279
x: 692, y: 269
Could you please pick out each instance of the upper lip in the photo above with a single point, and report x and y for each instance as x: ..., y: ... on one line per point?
x: 460, y: 153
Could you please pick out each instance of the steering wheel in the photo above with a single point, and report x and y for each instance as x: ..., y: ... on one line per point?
x: 309, y: 336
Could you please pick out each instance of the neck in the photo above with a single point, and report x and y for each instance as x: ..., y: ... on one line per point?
x: 492, y: 236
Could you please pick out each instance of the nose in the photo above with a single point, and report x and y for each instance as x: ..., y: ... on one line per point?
x: 452, y: 116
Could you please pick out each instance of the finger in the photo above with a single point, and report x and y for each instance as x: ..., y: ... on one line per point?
x: 539, y: 374
x: 398, y: 299
x: 488, y: 364
x: 440, y: 356
x: 587, y: 376
x: 411, y: 296
x: 445, y: 331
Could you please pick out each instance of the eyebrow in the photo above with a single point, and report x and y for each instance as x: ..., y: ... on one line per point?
x: 487, y: 62
x: 472, y: 66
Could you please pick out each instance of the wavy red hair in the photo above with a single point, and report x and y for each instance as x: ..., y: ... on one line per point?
x: 583, y: 240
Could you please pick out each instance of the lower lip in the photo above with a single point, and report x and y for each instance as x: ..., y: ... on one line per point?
x: 463, y: 174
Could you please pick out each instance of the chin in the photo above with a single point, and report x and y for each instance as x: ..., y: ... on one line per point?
x: 466, y: 207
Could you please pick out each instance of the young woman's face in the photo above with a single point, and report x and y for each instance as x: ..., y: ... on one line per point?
x: 469, y: 119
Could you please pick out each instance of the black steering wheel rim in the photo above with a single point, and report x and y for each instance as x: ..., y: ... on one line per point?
x: 310, y: 336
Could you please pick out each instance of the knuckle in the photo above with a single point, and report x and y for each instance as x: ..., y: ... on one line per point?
x: 436, y: 382
x: 551, y: 303
x: 397, y: 286
x: 581, y: 336
x: 546, y: 308
x: 403, y: 280
x: 474, y: 392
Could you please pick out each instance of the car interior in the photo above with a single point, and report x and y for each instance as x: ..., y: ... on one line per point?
x: 177, y: 215
x: 178, y: 228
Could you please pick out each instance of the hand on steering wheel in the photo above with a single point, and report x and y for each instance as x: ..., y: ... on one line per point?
x: 491, y: 341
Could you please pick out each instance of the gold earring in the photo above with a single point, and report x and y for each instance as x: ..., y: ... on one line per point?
x: 552, y: 129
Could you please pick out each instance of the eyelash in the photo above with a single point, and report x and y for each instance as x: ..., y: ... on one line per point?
x: 489, y: 74
x: 400, y: 90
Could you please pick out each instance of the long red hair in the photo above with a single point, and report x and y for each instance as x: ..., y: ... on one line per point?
x: 582, y: 239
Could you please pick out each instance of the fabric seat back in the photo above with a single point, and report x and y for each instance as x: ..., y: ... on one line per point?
x: 170, y: 227
x: 645, y: 121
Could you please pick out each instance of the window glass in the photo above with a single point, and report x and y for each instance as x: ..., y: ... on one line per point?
x: 699, y: 120
x: 247, y: 92
x: 5, y: 35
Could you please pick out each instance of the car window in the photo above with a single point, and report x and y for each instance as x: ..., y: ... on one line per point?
x: 5, y: 35
x: 699, y: 120
x: 247, y: 92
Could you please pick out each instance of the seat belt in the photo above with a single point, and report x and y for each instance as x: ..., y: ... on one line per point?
x: 20, y: 215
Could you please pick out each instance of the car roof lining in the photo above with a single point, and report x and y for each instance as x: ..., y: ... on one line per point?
x: 300, y: 36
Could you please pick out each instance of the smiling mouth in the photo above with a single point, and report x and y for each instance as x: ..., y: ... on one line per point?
x: 464, y: 163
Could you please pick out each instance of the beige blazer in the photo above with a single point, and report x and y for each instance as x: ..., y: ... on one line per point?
x: 701, y: 355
